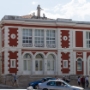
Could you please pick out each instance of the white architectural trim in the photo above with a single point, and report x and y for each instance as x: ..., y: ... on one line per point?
x: 74, y: 62
x: 84, y: 39
x: 39, y: 53
x: 6, y: 63
x: 53, y: 53
x: 84, y: 62
x: 45, y: 38
x: 58, y: 67
x: 25, y: 52
x: 19, y: 37
x: 58, y: 36
x: 33, y: 39
x: 71, y: 62
x: 74, y: 36
x: 6, y: 37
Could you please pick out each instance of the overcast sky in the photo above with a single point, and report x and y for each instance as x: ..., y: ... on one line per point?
x: 78, y: 10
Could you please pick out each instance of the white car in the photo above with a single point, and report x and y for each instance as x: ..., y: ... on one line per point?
x: 57, y: 85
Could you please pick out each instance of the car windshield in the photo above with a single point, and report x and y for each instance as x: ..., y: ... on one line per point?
x: 66, y: 83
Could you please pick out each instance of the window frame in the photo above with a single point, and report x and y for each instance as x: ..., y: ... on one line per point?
x: 50, y: 38
x: 65, y: 63
x: 39, y: 38
x: 88, y: 39
x: 13, y: 63
x: 80, y: 62
x: 27, y: 38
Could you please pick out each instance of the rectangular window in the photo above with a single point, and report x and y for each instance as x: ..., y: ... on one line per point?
x: 39, y: 38
x: 13, y: 63
x: 50, y: 38
x: 65, y: 63
x: 88, y: 39
x: 27, y: 37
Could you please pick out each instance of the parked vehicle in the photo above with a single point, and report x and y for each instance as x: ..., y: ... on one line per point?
x: 34, y: 84
x: 57, y: 84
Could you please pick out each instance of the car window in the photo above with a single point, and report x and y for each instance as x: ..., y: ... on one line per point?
x: 51, y: 83
x: 58, y: 83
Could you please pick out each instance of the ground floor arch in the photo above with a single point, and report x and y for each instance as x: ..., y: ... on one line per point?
x: 39, y: 64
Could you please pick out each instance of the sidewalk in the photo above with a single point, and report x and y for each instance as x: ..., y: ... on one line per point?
x: 5, y: 86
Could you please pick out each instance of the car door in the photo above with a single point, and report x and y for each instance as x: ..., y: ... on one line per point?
x: 51, y: 85
x: 61, y: 86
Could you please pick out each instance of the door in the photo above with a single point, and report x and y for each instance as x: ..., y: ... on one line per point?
x: 38, y: 66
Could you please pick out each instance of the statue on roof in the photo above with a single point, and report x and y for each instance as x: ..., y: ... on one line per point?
x: 38, y: 10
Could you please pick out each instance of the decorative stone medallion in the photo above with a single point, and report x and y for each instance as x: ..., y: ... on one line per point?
x: 65, y: 38
x: 13, y: 36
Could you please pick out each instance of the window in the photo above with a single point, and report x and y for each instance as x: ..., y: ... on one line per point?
x: 88, y: 39
x: 26, y: 62
x: 50, y: 38
x: 39, y: 38
x: 39, y: 62
x: 79, y: 64
x: 51, y: 83
x: 50, y: 62
x: 13, y: 63
x: 65, y: 63
x: 27, y: 37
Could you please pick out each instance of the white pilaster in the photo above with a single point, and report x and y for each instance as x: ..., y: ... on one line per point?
x: 84, y: 62
x: 45, y: 66
x: 20, y: 31
x: 45, y: 38
x: 74, y: 38
x: 71, y: 62
x: 6, y: 36
x: 58, y: 65
x: 6, y: 63
x: 33, y: 40
x: 71, y: 38
x: 84, y: 39
x: 20, y: 62
x: 74, y: 62
x: 33, y: 66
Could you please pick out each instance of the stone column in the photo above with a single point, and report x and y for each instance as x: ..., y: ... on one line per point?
x: 33, y: 66
x: 45, y: 66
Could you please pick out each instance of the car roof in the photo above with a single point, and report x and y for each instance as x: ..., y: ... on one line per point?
x: 48, y: 77
x: 57, y: 80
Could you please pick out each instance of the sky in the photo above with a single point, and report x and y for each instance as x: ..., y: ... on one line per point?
x: 77, y: 10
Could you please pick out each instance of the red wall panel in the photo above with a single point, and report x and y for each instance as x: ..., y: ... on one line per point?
x: 13, y: 55
x: 79, y: 39
x: 65, y: 56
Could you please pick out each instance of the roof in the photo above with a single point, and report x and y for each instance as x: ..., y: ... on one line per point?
x: 27, y: 16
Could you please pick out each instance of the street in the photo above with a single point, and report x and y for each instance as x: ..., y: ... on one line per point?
x: 10, y: 87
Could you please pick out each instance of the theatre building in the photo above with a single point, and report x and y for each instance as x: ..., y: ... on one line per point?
x: 38, y: 45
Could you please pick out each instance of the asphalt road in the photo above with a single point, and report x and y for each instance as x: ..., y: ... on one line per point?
x: 9, y: 87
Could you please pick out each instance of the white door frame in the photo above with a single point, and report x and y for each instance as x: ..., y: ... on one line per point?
x: 39, y: 72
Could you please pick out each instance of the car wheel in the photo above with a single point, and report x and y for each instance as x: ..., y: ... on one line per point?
x: 36, y: 87
x: 45, y: 89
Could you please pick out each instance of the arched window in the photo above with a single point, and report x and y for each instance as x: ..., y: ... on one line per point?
x: 79, y: 64
x: 50, y: 62
x: 39, y: 62
x: 26, y: 62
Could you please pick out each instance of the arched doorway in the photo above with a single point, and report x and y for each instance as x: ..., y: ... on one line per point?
x: 27, y: 63
x: 51, y: 64
x: 39, y: 60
